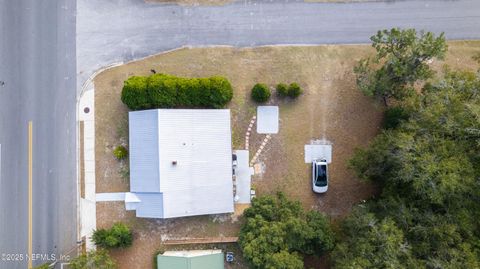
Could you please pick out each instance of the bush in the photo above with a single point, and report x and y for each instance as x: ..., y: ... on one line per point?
x: 134, y: 93
x: 120, y: 152
x: 260, y: 93
x: 393, y: 117
x: 118, y: 236
x: 98, y: 259
x: 167, y: 91
x: 294, y: 90
x: 282, y: 90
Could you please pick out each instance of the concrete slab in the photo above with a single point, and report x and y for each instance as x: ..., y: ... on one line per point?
x: 267, y: 122
x: 318, y: 151
x: 243, y: 175
x: 110, y: 197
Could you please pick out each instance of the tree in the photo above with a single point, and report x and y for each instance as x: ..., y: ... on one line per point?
x: 276, y: 231
x: 284, y: 260
x: 394, y: 116
x: 372, y: 243
x: 98, y: 259
x: 402, y: 59
x: 118, y: 236
x: 428, y: 167
x: 260, y: 93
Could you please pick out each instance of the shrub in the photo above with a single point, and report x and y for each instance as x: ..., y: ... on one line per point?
x: 260, y: 93
x: 98, y: 259
x: 134, y: 93
x: 393, y: 117
x: 220, y: 92
x: 282, y: 89
x: 120, y: 152
x: 118, y: 236
x: 162, y: 90
x: 294, y: 90
x: 167, y: 91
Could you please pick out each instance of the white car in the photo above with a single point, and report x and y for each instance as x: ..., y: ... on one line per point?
x: 319, y: 176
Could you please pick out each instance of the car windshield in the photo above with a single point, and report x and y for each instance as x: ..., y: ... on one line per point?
x: 321, y: 180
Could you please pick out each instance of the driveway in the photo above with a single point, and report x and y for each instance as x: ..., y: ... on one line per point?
x: 123, y: 30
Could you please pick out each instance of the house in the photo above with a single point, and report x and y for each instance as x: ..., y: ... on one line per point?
x: 194, y: 259
x: 180, y: 163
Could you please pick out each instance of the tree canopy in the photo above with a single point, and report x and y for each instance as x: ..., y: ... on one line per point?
x: 401, y: 60
x: 429, y: 168
x: 277, y: 232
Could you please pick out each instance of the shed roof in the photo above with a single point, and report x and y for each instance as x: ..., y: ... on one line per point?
x: 208, y: 259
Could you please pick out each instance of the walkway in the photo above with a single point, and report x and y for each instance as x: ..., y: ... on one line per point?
x: 86, y: 115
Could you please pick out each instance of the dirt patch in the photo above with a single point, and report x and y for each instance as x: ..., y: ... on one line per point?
x: 150, y: 233
x: 331, y: 108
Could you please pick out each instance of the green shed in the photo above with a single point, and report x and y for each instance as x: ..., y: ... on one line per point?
x: 193, y: 259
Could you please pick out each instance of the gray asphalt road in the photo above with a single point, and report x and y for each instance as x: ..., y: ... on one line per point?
x: 37, y: 64
x: 37, y: 56
x: 122, y: 30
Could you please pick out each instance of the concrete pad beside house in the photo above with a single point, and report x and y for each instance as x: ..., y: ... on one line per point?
x: 110, y: 197
x: 318, y: 152
x: 267, y: 119
x: 243, y: 175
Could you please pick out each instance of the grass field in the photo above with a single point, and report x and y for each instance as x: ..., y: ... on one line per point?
x: 331, y: 108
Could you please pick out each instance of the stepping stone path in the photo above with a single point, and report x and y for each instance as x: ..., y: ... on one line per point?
x: 259, y: 151
x: 249, y: 131
x: 247, y: 141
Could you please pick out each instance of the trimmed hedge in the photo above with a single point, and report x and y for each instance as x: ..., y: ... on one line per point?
x: 167, y: 91
x: 260, y: 93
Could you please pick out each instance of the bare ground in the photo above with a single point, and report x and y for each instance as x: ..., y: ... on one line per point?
x: 331, y: 108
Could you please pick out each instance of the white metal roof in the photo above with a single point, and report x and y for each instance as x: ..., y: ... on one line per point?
x: 193, y: 156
